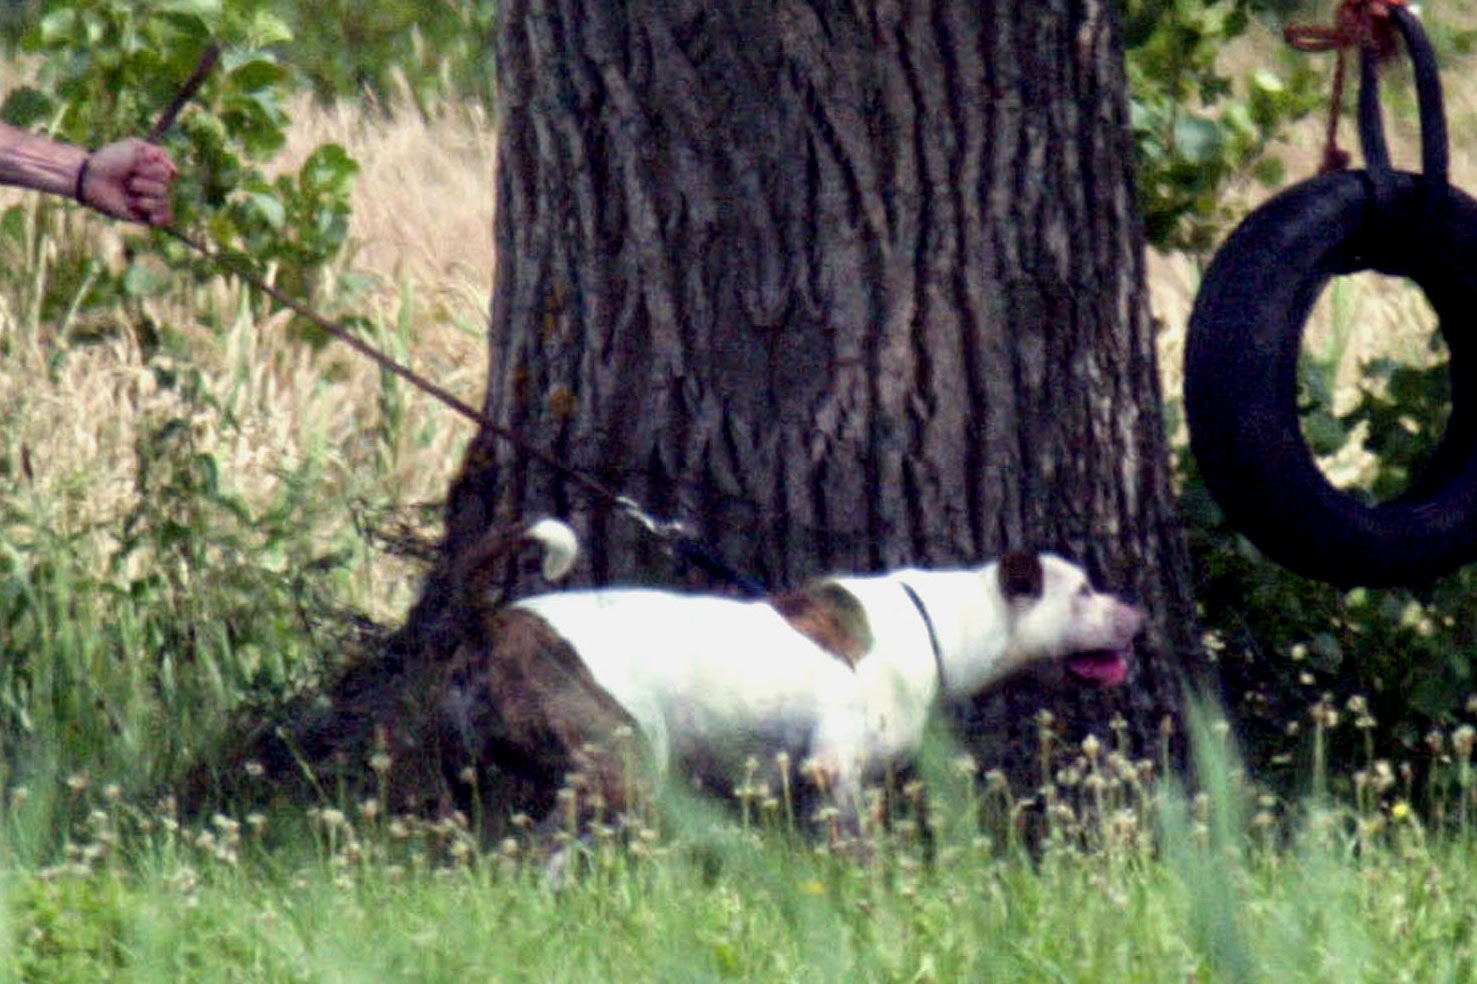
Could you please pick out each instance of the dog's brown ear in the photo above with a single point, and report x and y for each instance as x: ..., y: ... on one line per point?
x: 1020, y: 575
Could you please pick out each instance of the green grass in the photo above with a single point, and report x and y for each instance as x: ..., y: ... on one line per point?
x: 1129, y: 881
x: 349, y: 896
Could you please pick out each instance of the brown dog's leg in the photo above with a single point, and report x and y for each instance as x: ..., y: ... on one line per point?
x: 523, y: 714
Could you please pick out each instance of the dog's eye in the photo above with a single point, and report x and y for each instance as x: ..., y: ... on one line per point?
x: 1085, y: 591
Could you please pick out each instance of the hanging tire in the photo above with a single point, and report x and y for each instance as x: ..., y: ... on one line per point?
x: 1241, y: 361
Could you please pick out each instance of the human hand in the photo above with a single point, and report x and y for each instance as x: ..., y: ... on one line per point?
x: 128, y: 179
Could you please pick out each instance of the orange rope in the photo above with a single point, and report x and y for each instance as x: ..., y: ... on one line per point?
x: 1363, y: 24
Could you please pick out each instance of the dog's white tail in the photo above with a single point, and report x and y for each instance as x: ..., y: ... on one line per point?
x: 561, y: 546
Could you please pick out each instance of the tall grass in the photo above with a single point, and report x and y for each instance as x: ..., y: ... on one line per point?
x: 1157, y: 886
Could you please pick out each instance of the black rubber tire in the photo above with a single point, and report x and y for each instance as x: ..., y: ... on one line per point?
x: 1241, y: 359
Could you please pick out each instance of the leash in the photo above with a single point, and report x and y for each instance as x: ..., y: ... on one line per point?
x: 678, y: 537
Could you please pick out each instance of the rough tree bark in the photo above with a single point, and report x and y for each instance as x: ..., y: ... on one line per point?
x: 847, y: 285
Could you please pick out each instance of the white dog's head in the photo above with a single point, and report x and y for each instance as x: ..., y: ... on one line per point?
x: 1055, y: 613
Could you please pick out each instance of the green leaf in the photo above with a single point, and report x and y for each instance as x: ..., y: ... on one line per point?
x: 146, y: 279
x: 1323, y: 432
x: 25, y: 107
x: 192, y: 28
x: 208, y: 9
x: 1236, y: 23
x: 59, y: 26
x: 267, y: 29
x: 1268, y: 82
x: 1271, y: 172
x: 259, y: 73
x: 1197, y: 139
x: 330, y: 168
x: 269, y: 208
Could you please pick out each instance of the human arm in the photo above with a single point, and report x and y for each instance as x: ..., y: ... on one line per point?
x: 128, y: 179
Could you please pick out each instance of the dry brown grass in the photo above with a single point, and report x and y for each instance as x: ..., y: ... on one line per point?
x: 422, y: 223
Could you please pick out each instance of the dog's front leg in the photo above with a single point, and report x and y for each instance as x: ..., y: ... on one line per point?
x: 836, y: 767
x: 836, y: 781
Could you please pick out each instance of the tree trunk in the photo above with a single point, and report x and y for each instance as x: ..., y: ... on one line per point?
x: 846, y: 286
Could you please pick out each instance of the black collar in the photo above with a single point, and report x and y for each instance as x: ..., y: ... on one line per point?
x: 933, y: 636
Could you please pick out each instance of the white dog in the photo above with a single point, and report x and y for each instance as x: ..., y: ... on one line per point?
x: 840, y: 675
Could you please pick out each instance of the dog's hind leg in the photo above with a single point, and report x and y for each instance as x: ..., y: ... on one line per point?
x: 522, y: 720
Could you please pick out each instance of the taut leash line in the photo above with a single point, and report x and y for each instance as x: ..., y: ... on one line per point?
x: 432, y: 389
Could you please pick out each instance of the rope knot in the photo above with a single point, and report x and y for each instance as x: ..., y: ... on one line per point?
x: 1363, y: 24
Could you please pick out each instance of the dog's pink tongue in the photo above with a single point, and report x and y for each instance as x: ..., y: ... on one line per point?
x: 1104, y: 669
